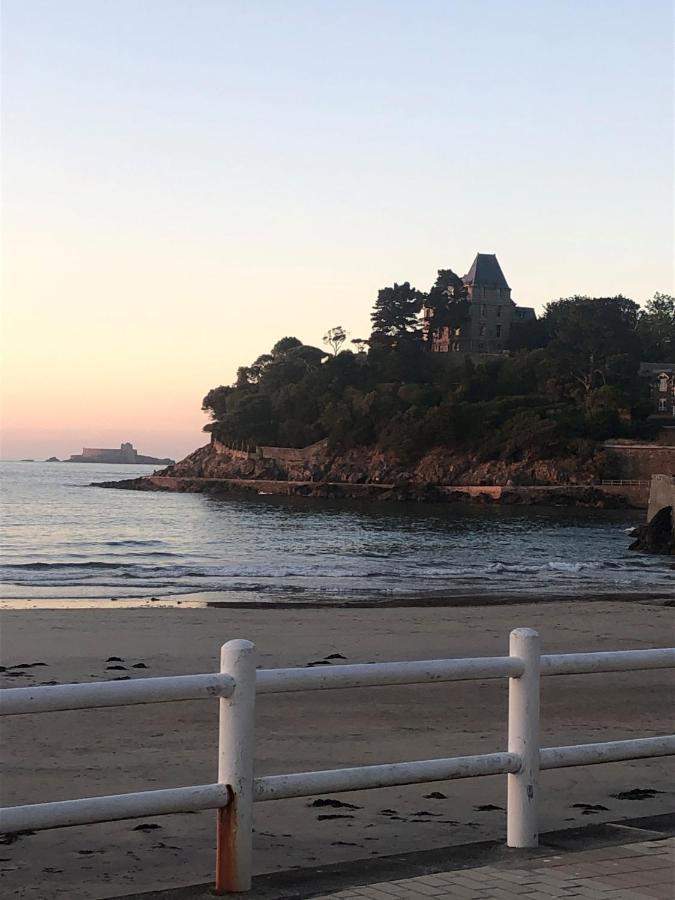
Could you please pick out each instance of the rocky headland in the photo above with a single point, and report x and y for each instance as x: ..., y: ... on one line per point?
x: 441, y: 475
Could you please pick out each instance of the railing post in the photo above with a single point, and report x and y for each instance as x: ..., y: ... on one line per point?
x: 522, y: 828
x: 236, y: 752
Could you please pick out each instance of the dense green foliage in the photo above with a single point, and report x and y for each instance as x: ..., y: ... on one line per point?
x: 571, y: 377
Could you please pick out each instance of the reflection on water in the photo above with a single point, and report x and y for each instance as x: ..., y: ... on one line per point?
x: 64, y: 539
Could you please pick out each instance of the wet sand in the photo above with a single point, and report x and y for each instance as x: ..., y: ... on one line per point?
x: 89, y: 752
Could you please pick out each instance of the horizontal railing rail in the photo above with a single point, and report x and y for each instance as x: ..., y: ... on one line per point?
x: 236, y: 686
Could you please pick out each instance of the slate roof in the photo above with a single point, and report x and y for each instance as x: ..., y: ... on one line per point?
x: 656, y: 368
x: 486, y: 272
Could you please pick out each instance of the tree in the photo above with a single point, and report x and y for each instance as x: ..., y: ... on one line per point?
x: 656, y: 328
x: 284, y: 345
x: 335, y: 338
x: 448, y: 301
x: 593, y: 339
x: 360, y: 344
x: 394, y: 315
x: 215, y: 402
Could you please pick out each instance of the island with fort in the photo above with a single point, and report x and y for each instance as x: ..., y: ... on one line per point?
x: 458, y: 394
x: 126, y: 455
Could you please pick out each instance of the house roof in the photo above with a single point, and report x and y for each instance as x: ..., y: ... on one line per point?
x: 486, y: 272
x: 656, y: 368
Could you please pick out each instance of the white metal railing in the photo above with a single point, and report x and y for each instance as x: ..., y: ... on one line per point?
x: 236, y: 686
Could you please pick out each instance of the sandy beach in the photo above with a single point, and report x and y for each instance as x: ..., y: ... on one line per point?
x: 85, y: 753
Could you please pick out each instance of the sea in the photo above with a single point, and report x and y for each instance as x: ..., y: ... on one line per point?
x: 66, y: 540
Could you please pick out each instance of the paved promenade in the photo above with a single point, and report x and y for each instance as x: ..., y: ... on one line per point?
x: 641, y: 871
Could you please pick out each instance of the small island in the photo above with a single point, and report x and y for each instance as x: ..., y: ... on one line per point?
x: 126, y: 455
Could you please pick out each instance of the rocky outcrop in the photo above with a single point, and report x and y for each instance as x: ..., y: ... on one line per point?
x: 365, y: 465
x: 443, y: 475
x: 658, y: 535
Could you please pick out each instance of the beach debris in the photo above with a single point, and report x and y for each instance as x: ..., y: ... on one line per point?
x: 388, y: 812
x: 17, y: 675
x: 344, y: 844
x: 89, y: 852
x: 48, y: 683
x: 435, y: 795
x: 334, y: 816
x: 117, y: 668
x: 27, y: 665
x: 140, y: 665
x: 114, y: 659
x: 146, y: 826
x: 3, y: 668
x: 122, y: 678
x: 335, y: 656
x: 11, y: 837
x: 425, y: 812
x: 335, y: 804
x: 637, y: 794
x: 317, y: 662
x: 590, y: 807
x: 488, y: 807
x: 154, y: 599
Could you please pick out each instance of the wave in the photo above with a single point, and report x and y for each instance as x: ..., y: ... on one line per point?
x: 239, y: 575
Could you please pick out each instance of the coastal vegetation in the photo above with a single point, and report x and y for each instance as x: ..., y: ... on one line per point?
x: 570, y: 380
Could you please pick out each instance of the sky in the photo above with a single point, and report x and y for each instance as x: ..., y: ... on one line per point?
x: 186, y: 182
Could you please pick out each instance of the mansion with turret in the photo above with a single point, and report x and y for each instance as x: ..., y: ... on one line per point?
x: 492, y: 312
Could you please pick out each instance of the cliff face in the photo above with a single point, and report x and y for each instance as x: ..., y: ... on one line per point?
x: 368, y: 466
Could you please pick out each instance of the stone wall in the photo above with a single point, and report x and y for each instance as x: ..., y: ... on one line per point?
x: 640, y: 461
x: 292, y: 454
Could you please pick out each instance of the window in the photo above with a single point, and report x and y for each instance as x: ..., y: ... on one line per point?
x: 499, y: 312
x: 662, y: 404
x: 482, y: 331
x: 663, y: 383
x: 483, y: 310
x: 455, y: 346
x: 499, y: 330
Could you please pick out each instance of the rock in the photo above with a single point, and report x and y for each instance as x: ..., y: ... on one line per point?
x: 657, y: 536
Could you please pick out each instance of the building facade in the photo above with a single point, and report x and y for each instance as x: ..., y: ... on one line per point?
x: 492, y: 311
x: 661, y: 377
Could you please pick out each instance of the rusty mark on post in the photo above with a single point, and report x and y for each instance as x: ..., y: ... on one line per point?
x: 227, y: 876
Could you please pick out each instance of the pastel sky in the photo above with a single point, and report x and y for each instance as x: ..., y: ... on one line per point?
x: 186, y: 182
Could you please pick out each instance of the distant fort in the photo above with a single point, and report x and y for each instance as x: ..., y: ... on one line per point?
x: 126, y: 455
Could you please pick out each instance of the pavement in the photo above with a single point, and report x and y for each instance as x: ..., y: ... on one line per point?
x: 640, y: 871
x: 632, y: 859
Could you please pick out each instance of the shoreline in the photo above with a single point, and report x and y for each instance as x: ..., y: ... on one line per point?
x: 594, y: 496
x: 217, y: 600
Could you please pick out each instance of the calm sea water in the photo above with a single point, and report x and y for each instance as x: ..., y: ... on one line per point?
x: 62, y: 538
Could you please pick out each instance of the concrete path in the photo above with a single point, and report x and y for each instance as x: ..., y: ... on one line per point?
x: 641, y: 871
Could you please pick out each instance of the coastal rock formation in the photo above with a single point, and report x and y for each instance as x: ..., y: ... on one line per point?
x: 442, y: 475
x: 658, y: 535
x: 364, y: 465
